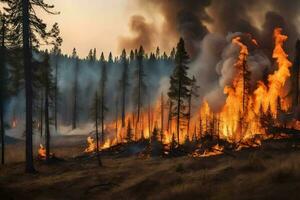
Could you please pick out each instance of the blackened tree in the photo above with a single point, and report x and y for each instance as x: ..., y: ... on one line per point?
x: 179, y: 86
x: 103, y: 81
x: 124, y: 85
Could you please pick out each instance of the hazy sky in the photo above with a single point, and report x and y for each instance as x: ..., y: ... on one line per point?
x: 86, y: 24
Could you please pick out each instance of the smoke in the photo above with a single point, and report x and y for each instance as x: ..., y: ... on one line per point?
x: 193, y: 19
x: 143, y: 34
x: 180, y: 18
x: 214, y: 67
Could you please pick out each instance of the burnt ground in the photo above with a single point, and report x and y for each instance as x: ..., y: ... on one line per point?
x: 269, y: 172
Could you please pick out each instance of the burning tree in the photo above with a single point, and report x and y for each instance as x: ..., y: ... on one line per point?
x: 96, y: 116
x: 48, y: 85
x: 140, y: 86
x: 179, y: 86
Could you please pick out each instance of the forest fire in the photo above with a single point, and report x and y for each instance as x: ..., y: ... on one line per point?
x: 42, y: 152
x: 242, y: 119
x: 92, y: 145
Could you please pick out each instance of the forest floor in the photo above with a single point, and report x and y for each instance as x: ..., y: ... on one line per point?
x: 269, y: 172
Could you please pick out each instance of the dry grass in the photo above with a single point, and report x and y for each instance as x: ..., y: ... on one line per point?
x: 253, y: 174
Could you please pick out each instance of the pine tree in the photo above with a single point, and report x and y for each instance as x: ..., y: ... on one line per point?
x: 96, y: 117
x: 157, y: 54
x: 140, y: 85
x: 110, y: 59
x: 124, y: 85
x: 28, y: 30
x: 48, y: 86
x: 172, y: 54
x: 4, y: 93
x: 103, y: 81
x: 75, y: 89
x: 179, y: 86
x: 56, y: 51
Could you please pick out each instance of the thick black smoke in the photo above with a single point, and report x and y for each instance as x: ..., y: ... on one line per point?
x: 191, y: 19
x: 181, y: 18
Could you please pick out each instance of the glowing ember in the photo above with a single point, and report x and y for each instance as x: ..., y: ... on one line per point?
x: 214, y: 151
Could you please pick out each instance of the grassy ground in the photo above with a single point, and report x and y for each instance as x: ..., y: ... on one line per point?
x: 271, y: 172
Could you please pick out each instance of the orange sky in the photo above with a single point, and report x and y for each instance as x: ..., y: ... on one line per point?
x: 96, y: 24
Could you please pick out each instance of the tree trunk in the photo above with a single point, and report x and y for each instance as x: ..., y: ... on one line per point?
x: 189, y: 114
x: 117, y: 115
x: 97, y: 132
x: 74, y: 119
x: 178, y: 110
x: 102, y: 117
x: 170, y: 117
x: 29, y: 168
x: 2, y: 129
x: 2, y: 95
x: 123, y: 103
x: 41, y: 114
x: 47, y: 125
x: 162, y: 117
x: 55, y: 94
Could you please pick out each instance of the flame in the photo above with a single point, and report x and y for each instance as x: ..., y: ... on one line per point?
x: 267, y: 96
x: 42, y: 152
x: 214, y: 151
x: 91, y: 145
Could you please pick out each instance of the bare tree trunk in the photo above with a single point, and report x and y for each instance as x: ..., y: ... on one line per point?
x: 149, y: 120
x: 97, y: 132
x: 117, y: 115
x: 170, y: 117
x: 189, y: 114
x: 162, y: 117
x: 75, y: 91
x: 55, y: 94
x: 123, y: 104
x: 41, y: 114
x: 29, y: 168
x: 2, y: 129
x: 102, y: 117
x: 47, y: 123
x: 178, y: 110
x: 3, y: 59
